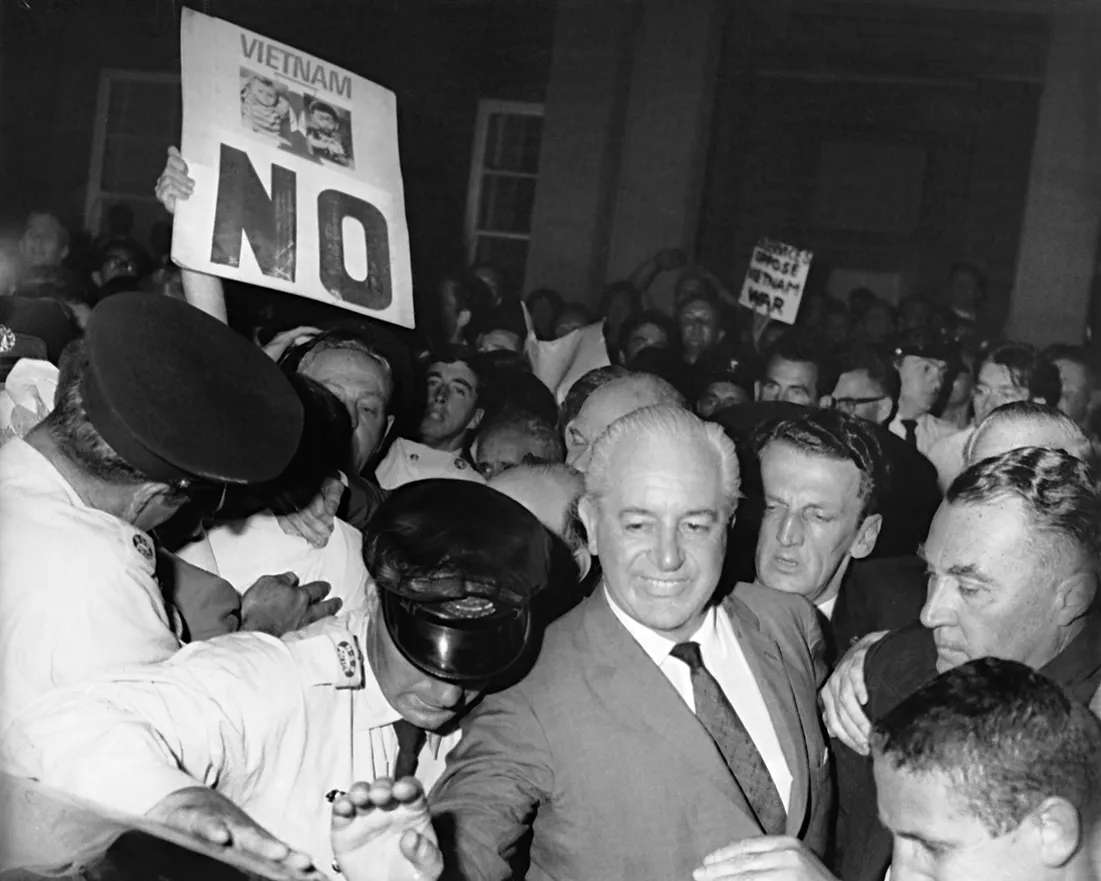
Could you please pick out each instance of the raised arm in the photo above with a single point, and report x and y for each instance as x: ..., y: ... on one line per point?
x: 201, y: 290
x: 496, y: 778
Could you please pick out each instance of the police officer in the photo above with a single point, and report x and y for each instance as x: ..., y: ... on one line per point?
x: 161, y: 403
x: 282, y: 728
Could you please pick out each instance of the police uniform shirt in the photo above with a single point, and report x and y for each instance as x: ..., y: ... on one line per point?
x: 277, y: 726
x: 77, y: 591
x: 243, y: 551
x: 929, y: 430
x: 408, y: 461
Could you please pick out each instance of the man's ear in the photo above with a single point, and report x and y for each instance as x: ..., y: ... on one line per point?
x: 587, y: 512
x: 866, y: 537
x: 825, y: 402
x: 584, y: 559
x: 475, y: 420
x: 64, y: 251
x: 463, y: 319
x: 97, y: 277
x: 1074, y: 595
x: 756, y: 391
x: 1056, y: 831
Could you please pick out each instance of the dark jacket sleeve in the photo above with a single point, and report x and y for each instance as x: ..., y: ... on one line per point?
x: 896, y: 666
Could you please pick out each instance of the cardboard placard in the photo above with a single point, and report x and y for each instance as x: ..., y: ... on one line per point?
x: 775, y: 280
x: 297, y: 178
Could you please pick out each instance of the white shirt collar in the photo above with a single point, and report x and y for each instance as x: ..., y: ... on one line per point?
x: 826, y: 607
x: 656, y: 646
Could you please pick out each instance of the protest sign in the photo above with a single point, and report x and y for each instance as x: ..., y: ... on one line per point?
x: 297, y: 178
x: 775, y: 280
x: 560, y: 363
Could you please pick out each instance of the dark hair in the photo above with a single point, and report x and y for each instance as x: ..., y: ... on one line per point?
x: 324, y: 108
x: 803, y: 348
x: 324, y: 448
x: 535, y: 425
x: 668, y: 365
x: 72, y: 431
x: 619, y: 289
x: 512, y: 388
x: 650, y: 316
x: 1006, y: 737
x: 833, y: 434
x: 507, y: 316
x: 880, y: 370
x: 472, y: 295
x: 432, y: 529
x: 453, y: 354
x: 974, y: 271
x: 584, y: 386
x: 1030, y: 370
x: 579, y: 309
x: 549, y: 295
x: 1075, y: 355
x: 1060, y: 492
x: 702, y: 296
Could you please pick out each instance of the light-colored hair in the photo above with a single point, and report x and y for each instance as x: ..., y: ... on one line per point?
x: 670, y: 423
x: 1065, y: 432
x: 555, y: 473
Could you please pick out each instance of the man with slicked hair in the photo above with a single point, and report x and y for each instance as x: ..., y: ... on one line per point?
x: 661, y: 722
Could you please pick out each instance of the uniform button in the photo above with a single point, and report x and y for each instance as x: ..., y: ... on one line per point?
x: 414, y: 457
x: 460, y: 464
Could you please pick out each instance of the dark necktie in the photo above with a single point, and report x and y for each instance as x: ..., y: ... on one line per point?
x: 410, y: 741
x: 726, y: 729
x: 911, y: 431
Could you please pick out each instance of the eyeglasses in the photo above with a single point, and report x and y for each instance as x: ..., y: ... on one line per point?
x: 849, y: 405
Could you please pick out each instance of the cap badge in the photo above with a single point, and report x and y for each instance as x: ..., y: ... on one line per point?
x: 461, y: 464
x: 7, y: 339
x: 144, y: 546
x: 470, y: 607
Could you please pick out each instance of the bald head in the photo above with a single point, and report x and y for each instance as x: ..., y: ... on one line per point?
x: 609, y: 403
x: 550, y: 492
x: 1025, y: 424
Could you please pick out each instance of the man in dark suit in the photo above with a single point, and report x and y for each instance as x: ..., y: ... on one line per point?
x: 879, y: 591
x: 1012, y: 557
x: 656, y: 727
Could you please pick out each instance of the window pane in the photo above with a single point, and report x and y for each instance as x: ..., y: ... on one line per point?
x: 506, y: 204
x: 512, y: 142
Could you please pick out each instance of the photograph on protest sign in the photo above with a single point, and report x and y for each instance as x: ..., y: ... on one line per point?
x: 298, y: 179
x: 775, y: 280
x: 301, y: 123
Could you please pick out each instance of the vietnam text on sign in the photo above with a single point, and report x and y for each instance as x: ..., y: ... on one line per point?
x: 298, y: 183
x: 775, y: 280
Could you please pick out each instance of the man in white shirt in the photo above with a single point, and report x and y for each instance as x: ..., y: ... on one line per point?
x: 821, y: 472
x: 451, y: 415
x: 115, y: 459
x: 655, y: 727
x: 280, y: 728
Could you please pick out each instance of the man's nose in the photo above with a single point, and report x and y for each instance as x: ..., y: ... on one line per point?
x: 670, y: 555
x: 790, y: 531
x: 937, y: 610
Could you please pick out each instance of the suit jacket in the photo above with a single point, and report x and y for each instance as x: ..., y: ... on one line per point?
x: 896, y: 667
x: 878, y: 594
x: 596, y: 753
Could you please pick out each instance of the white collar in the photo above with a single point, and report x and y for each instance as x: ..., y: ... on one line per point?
x: 656, y: 646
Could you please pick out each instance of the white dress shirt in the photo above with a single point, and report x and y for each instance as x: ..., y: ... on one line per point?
x: 929, y: 430
x: 244, y: 550
x: 274, y: 725
x: 725, y: 660
x: 408, y: 461
x: 77, y: 592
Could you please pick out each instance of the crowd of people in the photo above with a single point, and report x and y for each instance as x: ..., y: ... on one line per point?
x: 741, y: 600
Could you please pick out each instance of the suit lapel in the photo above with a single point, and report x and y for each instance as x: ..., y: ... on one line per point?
x: 635, y: 689
x: 764, y: 658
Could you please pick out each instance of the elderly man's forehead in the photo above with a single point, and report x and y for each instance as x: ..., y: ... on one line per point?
x: 1001, y: 437
x: 547, y: 495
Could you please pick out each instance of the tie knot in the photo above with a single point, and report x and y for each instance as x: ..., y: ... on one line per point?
x: 689, y: 652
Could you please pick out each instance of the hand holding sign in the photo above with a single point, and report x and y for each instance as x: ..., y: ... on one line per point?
x: 775, y: 280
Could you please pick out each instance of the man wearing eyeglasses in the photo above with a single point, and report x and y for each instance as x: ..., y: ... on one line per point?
x: 158, y: 405
x: 868, y: 387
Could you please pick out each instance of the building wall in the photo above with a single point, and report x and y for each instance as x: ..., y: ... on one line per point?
x: 439, y: 58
